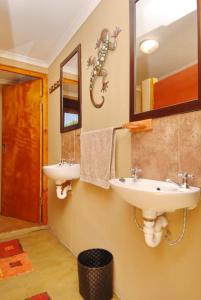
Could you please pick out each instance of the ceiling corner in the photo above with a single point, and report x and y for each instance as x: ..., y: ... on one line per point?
x: 75, y: 25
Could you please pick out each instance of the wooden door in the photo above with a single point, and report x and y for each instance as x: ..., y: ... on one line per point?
x: 21, y: 174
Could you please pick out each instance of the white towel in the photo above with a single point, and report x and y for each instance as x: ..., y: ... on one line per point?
x: 98, y: 156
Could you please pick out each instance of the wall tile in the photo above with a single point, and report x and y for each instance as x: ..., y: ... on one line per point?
x: 156, y: 151
x: 71, y: 145
x: 190, y: 145
x: 77, y: 145
x: 173, y: 146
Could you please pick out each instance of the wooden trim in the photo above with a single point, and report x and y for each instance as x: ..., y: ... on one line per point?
x: 44, y: 159
x: 79, y: 125
x: 169, y: 110
x: 22, y: 71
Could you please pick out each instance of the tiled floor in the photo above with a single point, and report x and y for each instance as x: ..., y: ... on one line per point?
x: 54, y: 271
x: 10, y: 224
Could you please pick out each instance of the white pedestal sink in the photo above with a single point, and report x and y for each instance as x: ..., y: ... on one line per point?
x: 62, y: 174
x: 155, y: 198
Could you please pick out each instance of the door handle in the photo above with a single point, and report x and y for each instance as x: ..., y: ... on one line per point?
x: 4, y: 148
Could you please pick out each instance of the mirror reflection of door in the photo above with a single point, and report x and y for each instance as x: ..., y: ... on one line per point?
x: 70, y: 92
x: 166, y: 53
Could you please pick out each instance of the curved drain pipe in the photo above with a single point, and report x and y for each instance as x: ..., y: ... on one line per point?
x: 153, y: 230
x: 62, y: 189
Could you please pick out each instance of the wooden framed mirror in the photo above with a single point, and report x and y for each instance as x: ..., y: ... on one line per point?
x: 165, y: 58
x: 70, y: 91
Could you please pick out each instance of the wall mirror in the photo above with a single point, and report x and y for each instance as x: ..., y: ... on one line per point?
x: 70, y: 91
x: 164, y: 57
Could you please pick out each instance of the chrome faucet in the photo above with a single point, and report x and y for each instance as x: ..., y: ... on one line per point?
x: 172, y: 181
x: 70, y: 161
x: 62, y: 161
x: 134, y: 173
x: 185, y: 176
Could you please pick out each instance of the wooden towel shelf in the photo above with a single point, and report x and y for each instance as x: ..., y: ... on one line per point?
x: 139, y: 126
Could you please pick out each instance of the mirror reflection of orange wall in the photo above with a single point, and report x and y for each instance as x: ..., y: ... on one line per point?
x: 178, y: 88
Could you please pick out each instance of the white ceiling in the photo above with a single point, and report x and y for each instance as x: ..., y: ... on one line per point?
x: 35, y: 31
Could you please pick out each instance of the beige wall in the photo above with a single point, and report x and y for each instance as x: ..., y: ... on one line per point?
x: 93, y: 217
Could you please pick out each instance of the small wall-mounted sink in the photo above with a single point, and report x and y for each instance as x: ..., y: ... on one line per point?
x: 62, y: 172
x: 155, y: 198
x: 153, y: 195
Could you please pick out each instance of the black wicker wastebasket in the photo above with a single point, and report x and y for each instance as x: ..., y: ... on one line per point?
x: 95, y: 271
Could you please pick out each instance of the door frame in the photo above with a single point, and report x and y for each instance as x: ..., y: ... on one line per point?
x: 44, y: 138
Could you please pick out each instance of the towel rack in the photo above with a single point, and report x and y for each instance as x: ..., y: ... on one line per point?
x: 117, y: 128
x: 137, y: 126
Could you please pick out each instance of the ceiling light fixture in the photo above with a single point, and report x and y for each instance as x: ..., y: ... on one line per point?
x: 149, y: 46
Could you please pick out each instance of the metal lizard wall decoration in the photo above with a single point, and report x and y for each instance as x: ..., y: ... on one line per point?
x: 104, y: 44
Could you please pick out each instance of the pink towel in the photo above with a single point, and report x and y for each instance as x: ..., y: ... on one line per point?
x: 98, y: 157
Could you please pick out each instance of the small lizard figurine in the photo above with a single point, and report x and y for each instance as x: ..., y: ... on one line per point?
x: 104, y: 44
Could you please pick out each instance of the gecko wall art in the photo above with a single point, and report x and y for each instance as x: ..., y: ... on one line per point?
x: 104, y: 44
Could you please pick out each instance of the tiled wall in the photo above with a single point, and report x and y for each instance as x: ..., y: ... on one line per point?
x: 71, y: 145
x: 174, y: 145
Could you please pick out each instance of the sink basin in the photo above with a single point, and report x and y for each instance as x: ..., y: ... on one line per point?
x: 157, y: 196
x: 62, y: 172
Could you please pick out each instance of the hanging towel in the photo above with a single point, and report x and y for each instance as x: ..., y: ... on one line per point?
x: 98, y: 156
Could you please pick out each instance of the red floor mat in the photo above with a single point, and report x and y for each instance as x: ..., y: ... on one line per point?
x: 43, y: 296
x: 10, y: 248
